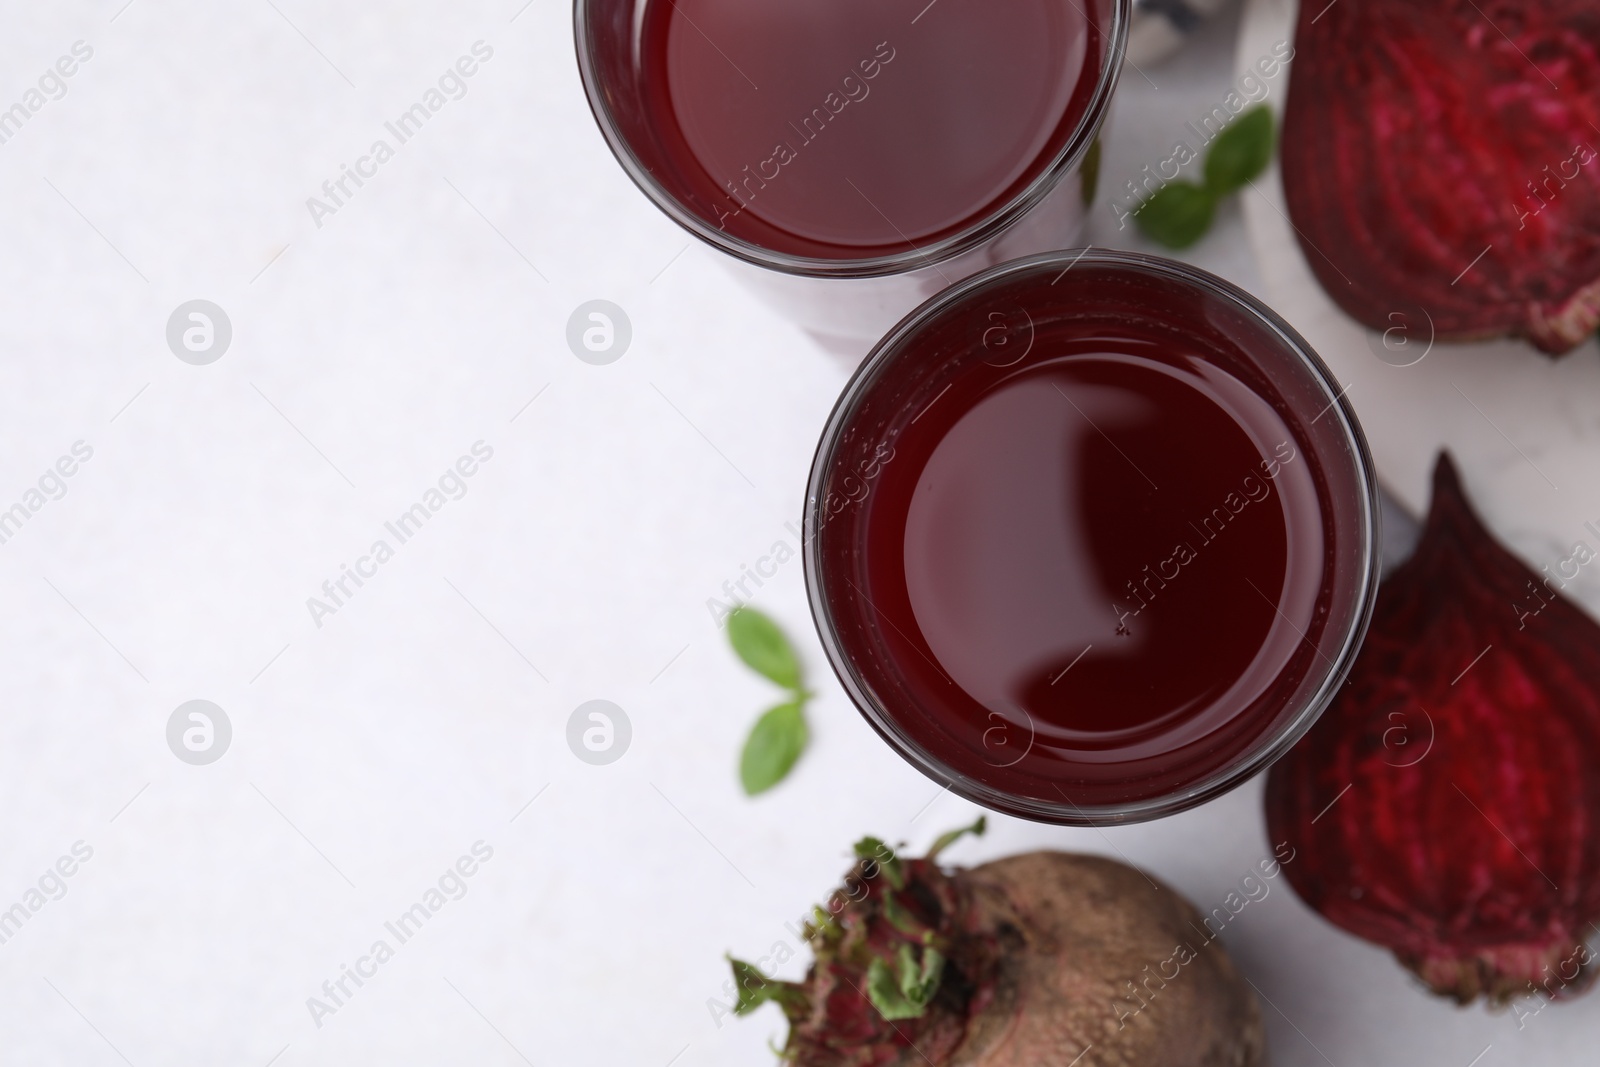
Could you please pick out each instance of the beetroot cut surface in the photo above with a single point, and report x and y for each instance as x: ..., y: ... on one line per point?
x: 1447, y: 804
x: 1441, y: 161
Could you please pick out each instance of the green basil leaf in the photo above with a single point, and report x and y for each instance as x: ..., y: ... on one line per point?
x: 1177, y: 215
x: 1240, y: 152
x: 775, y: 743
x: 758, y: 641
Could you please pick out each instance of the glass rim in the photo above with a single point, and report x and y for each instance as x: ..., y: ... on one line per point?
x: 1273, y: 746
x: 987, y: 226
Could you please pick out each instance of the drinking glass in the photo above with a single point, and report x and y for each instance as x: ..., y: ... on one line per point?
x: 847, y: 302
x: 976, y: 337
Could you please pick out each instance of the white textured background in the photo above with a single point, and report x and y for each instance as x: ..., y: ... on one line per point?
x: 370, y: 753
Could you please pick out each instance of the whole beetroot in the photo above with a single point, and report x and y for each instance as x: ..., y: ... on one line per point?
x: 1042, y: 958
x: 1447, y: 804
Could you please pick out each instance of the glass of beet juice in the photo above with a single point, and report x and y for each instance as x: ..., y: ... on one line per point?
x: 852, y: 159
x: 1091, y: 536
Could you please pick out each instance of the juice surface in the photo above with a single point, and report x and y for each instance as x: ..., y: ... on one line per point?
x: 1094, y: 573
x: 842, y: 129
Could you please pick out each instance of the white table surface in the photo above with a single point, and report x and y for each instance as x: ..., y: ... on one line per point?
x: 372, y: 751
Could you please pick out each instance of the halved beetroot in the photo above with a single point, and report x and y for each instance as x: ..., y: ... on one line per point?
x: 1447, y: 804
x: 1442, y: 158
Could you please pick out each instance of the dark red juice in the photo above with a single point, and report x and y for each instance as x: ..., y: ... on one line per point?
x: 1078, y: 544
x: 839, y: 129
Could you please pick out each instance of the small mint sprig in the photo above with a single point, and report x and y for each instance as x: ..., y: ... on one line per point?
x: 1180, y: 213
x: 781, y: 734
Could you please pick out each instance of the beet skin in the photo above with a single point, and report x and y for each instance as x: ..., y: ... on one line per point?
x: 1042, y: 958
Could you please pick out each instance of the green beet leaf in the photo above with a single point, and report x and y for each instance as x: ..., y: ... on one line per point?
x: 873, y: 849
x: 755, y: 989
x: 906, y: 994
x: 950, y: 837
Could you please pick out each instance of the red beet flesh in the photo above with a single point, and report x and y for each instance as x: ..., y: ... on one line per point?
x: 1447, y: 804
x: 1441, y: 160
